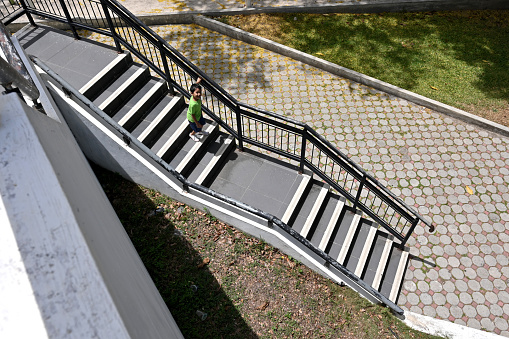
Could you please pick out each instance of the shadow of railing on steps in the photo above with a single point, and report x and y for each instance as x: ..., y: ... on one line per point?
x: 346, y: 275
x: 267, y: 130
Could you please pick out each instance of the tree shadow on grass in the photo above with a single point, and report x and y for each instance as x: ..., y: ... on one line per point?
x: 173, y: 263
x: 405, y: 48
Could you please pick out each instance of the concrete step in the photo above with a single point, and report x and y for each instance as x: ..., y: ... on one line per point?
x: 331, y: 224
x: 348, y: 240
x: 122, y: 89
x: 209, y: 163
x: 140, y: 104
x: 307, y: 204
x: 317, y: 207
x: 380, y: 257
x: 106, y: 76
x: 172, y: 136
x: 365, y: 250
x: 394, y: 273
x: 297, y: 197
x: 156, y: 122
x: 188, y: 157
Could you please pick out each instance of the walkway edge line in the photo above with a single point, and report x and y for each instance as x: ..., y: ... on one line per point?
x: 344, y: 72
x: 444, y: 328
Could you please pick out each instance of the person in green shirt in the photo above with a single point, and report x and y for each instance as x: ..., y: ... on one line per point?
x: 194, y: 114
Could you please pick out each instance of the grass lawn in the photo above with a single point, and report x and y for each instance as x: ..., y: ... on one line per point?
x: 458, y: 58
x: 247, y: 288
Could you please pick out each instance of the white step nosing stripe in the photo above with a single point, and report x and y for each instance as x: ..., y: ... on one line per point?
x: 314, y: 212
x: 140, y: 103
x: 192, y: 151
x: 173, y: 138
x: 348, y: 239
x: 365, y: 251
x: 122, y: 88
x: 296, y: 198
x: 332, y: 224
x: 158, y: 119
x: 214, y: 160
x: 383, y: 263
x: 102, y: 73
x: 399, y: 276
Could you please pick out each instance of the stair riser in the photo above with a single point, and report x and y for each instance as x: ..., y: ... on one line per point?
x: 155, y: 134
x: 114, y: 105
x: 136, y: 118
x: 217, y: 167
x: 190, y: 165
x: 107, y: 78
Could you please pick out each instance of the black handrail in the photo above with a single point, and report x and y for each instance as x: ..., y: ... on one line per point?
x: 186, y: 184
x: 118, y: 18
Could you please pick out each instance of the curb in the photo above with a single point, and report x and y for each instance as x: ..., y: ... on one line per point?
x: 330, y: 67
x: 444, y: 328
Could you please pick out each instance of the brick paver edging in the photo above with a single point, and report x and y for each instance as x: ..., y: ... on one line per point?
x: 330, y: 67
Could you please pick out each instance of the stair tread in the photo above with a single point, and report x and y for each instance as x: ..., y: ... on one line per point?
x: 390, y: 272
x: 357, y: 246
x: 296, y: 193
x: 377, y: 260
x: 179, y: 120
x: 158, y: 119
x: 317, y: 207
x: 210, y: 157
x: 339, y: 235
x: 187, y: 150
x: 307, y: 205
x: 323, y: 222
x: 136, y: 98
x: 151, y: 116
x: 118, y: 64
x: 116, y: 84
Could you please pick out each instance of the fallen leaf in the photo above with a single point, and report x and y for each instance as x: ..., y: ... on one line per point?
x: 319, y: 53
x: 205, y: 262
x: 436, y: 89
x: 469, y: 190
x: 263, y: 306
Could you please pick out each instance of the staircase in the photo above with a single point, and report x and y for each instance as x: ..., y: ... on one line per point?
x: 144, y: 106
x: 128, y: 105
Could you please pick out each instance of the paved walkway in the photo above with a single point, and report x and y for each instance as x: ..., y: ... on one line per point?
x: 452, y: 172
x: 170, y: 6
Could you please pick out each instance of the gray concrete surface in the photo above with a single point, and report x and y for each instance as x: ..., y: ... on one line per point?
x: 452, y: 172
x: 85, y: 278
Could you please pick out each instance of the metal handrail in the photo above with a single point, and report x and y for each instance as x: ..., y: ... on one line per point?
x: 271, y: 219
x: 241, y: 111
x: 12, y: 70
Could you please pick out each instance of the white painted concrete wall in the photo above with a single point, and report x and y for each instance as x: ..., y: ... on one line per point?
x: 67, y: 267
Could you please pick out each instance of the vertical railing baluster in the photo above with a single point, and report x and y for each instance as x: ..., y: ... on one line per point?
x: 111, y: 26
x: 303, y: 150
x: 27, y: 13
x: 238, y: 115
x: 166, y: 68
x: 69, y: 20
x: 361, y: 185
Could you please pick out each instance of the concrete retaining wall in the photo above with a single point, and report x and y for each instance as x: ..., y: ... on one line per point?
x: 85, y: 275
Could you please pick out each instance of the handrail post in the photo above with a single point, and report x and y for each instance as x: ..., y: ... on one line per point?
x: 409, y: 233
x: 359, y: 192
x: 112, y: 27
x: 27, y: 12
x: 69, y: 20
x: 239, y: 127
x: 166, y: 68
x: 303, y: 150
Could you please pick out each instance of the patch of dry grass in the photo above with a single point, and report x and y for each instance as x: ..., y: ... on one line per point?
x: 248, y: 288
